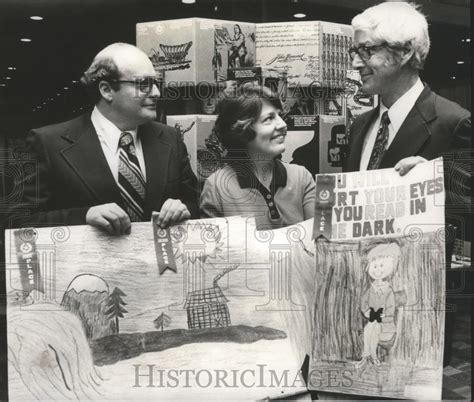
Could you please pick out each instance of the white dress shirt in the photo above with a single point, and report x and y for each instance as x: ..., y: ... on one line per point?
x: 397, y: 115
x: 109, y: 136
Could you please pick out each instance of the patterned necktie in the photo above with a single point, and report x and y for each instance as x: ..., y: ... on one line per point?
x: 381, y: 142
x: 130, y: 179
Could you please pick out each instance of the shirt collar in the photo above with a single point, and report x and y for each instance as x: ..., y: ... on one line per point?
x: 248, y: 179
x: 109, y: 132
x: 400, y: 109
x: 380, y: 288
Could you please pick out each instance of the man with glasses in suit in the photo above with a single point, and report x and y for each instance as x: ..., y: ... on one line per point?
x: 114, y: 166
x: 391, y: 46
x: 412, y: 124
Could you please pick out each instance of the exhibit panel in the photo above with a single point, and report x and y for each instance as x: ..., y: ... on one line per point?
x: 380, y: 283
x: 310, y: 52
x: 193, y: 50
x: 305, y: 62
x: 196, y: 132
x: 316, y: 142
x: 360, y: 289
x: 93, y: 317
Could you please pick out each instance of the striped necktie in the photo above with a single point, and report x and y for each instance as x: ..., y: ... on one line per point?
x: 130, y: 179
x: 381, y: 141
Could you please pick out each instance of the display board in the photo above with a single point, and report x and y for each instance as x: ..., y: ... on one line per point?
x: 310, y: 52
x: 316, y: 142
x: 379, y: 285
x: 194, y: 50
x: 195, y: 129
x: 91, y: 317
x: 360, y: 289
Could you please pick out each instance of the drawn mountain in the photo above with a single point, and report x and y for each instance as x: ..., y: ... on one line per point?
x: 87, y: 296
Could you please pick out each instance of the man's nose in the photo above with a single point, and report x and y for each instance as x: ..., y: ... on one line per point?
x: 357, y: 62
x: 155, y: 91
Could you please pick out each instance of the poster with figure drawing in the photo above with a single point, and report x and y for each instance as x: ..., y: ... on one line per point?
x: 196, y: 50
x: 316, y: 142
x: 196, y: 130
x: 379, y: 299
x: 302, y: 142
x: 91, y: 317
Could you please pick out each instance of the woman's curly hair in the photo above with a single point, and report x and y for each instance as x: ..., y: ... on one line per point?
x: 237, y: 114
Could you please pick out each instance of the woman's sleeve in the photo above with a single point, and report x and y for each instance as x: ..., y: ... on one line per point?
x: 309, y: 195
x: 210, y: 205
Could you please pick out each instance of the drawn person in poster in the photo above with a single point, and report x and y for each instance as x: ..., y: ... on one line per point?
x: 237, y: 49
x: 378, y: 302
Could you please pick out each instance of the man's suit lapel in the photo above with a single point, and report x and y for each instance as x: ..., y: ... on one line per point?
x: 156, y: 153
x: 358, y: 134
x: 84, y: 154
x: 414, y: 131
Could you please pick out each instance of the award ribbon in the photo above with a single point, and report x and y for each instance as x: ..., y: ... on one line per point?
x: 163, y: 248
x: 30, y: 274
x: 325, y: 200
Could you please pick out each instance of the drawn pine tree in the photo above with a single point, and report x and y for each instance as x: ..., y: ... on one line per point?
x: 163, y: 320
x: 115, y: 308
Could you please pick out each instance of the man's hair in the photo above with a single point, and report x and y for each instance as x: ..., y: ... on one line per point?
x: 238, y: 112
x: 398, y: 24
x: 103, y: 68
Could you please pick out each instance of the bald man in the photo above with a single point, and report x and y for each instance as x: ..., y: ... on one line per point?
x: 115, y: 165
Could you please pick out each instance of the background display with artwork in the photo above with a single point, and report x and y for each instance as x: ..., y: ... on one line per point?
x: 306, y: 63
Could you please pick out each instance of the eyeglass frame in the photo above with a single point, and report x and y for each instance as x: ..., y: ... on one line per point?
x: 138, y: 82
x: 368, y: 49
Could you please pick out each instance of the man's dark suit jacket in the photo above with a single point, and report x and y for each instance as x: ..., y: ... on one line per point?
x: 73, y: 175
x: 434, y: 127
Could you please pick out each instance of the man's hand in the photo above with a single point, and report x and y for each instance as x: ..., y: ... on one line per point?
x: 110, y: 218
x: 406, y: 164
x: 172, y: 211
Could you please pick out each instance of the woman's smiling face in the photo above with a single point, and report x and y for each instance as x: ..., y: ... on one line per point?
x: 270, y: 132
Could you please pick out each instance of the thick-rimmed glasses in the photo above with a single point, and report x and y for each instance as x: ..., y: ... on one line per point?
x: 143, y: 84
x: 364, y: 51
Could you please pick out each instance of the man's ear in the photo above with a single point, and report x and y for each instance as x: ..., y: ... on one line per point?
x: 106, y: 90
x: 406, y: 54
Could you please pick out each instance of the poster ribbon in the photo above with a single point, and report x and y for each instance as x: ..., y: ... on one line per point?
x: 163, y: 248
x: 325, y: 200
x: 30, y: 274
